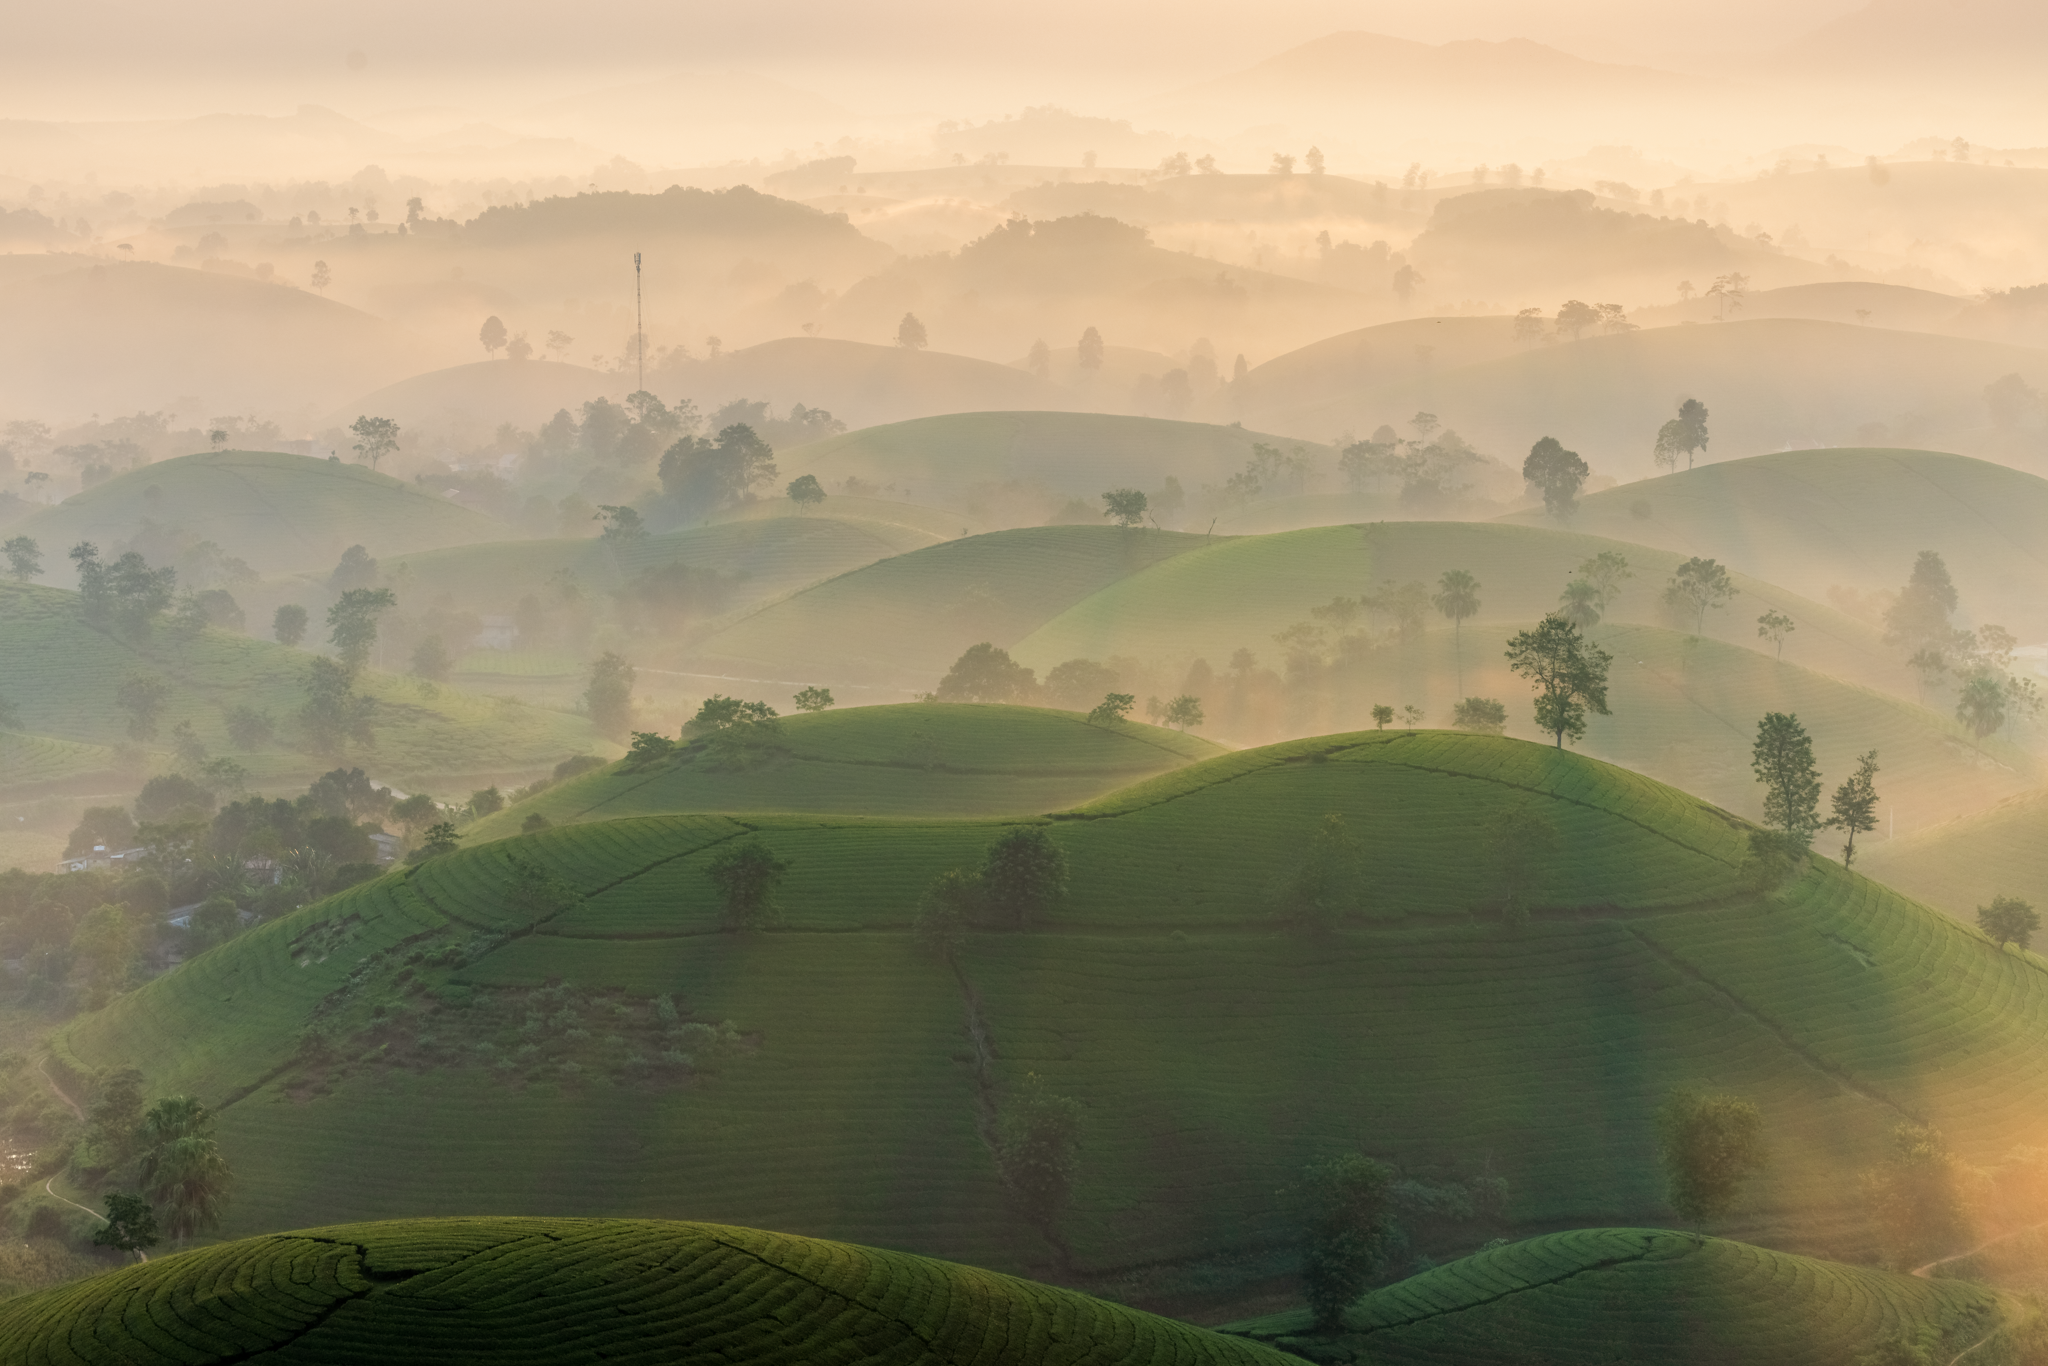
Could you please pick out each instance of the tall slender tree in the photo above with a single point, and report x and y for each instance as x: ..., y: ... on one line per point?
x: 1457, y: 597
x: 1855, y: 804
x: 1782, y: 760
x: 1570, y: 676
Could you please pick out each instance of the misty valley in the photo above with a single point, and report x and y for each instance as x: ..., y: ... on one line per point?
x: 813, y: 703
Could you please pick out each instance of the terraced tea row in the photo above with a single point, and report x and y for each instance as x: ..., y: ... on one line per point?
x: 570, y: 1291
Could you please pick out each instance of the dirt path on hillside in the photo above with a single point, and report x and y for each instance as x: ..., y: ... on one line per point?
x: 1923, y: 1272
x: 50, y: 1186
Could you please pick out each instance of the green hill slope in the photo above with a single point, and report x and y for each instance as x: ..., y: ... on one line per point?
x: 560, y: 1291
x: 281, y: 513
x: 858, y: 382
x: 1962, y: 864
x: 903, y: 621
x: 922, y: 759
x: 1808, y: 520
x: 62, y: 675
x: 431, y: 1042
x: 1771, y: 384
x: 1389, y: 353
x: 1615, y: 1294
x: 471, y: 400
x: 761, y: 557
x: 1076, y: 454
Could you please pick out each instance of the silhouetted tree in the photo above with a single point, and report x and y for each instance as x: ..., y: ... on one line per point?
x: 1481, y: 715
x: 2008, y: 920
x: 352, y: 623
x: 492, y: 334
x: 910, y: 333
x: 130, y: 1224
x: 1023, y: 875
x: 376, y: 437
x: 945, y: 911
x: 814, y: 699
x: 1039, y: 361
x: 1774, y: 626
x: 1855, y: 804
x: 806, y: 492
x: 1115, y: 706
x: 1981, y: 704
x: 1558, y: 474
x: 1182, y: 712
x: 746, y: 875
x: 1570, y: 675
x: 288, y: 624
x: 1698, y: 585
x: 1710, y: 1144
x: 1088, y: 355
x: 608, y: 698
x: 1575, y: 317
x: 1782, y: 760
x: 1684, y: 435
x: 1457, y: 597
x: 182, y: 1171
x: 24, y: 558
x: 986, y: 673
x: 1125, y: 506
x: 322, y: 276
x: 1350, y: 1233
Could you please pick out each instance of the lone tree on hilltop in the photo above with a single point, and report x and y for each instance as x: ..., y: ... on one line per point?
x: 1124, y: 506
x: 376, y: 437
x: 986, y: 673
x: 910, y: 333
x: 130, y: 1224
x: 1351, y: 1233
x: 1558, y: 474
x: 1782, y: 760
x: 1575, y: 317
x: 1457, y: 597
x: 493, y: 335
x: 1774, y: 626
x: 1023, y: 875
x: 288, y: 624
x: 2009, y: 920
x: 1182, y: 712
x: 24, y: 558
x: 609, y: 696
x: 1570, y: 675
x: 352, y: 623
x: 814, y: 699
x: 746, y: 875
x: 1711, y: 1144
x: 1698, y: 585
x: 1382, y: 716
x: 1855, y: 804
x: 1682, y: 435
x: 806, y: 492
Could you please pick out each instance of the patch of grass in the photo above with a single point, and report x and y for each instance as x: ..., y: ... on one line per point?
x: 573, y: 1291
x: 1624, y: 1294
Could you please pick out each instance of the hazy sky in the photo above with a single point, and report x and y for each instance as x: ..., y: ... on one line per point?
x: 881, y: 55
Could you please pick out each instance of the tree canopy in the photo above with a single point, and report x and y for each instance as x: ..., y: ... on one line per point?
x: 1570, y: 675
x: 1556, y: 473
x: 986, y: 673
x: 1782, y: 760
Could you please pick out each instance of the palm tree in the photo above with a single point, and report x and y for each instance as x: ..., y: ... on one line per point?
x: 183, y: 1172
x: 1581, y: 603
x: 1457, y: 597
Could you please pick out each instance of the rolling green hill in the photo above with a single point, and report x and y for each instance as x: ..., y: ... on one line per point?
x: 1770, y: 384
x: 1410, y: 350
x: 916, y: 759
x: 281, y: 513
x: 560, y: 1291
x: 62, y: 675
x: 432, y: 1042
x: 858, y: 382
x: 1809, y: 520
x: 761, y: 557
x: 1862, y: 302
x: 1625, y: 1294
x: 471, y: 400
x: 904, y: 620
x: 1960, y: 864
x: 1075, y: 454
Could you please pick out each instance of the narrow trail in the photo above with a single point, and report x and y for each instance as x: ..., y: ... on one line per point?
x: 1923, y: 1271
x: 50, y: 1186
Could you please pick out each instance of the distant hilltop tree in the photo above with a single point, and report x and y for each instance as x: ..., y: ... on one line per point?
x: 1684, y: 435
x: 609, y: 696
x: 806, y: 492
x: 814, y: 700
x: 24, y: 558
x: 1855, y: 804
x: 1558, y: 474
x: 519, y: 348
x: 2008, y: 920
x: 1698, y: 585
x: 1039, y: 362
x: 1088, y: 353
x: 376, y: 437
x: 492, y: 334
x: 322, y: 276
x: 986, y: 673
x: 1125, y: 506
x: 1570, y: 676
x: 910, y: 333
x: 1575, y: 317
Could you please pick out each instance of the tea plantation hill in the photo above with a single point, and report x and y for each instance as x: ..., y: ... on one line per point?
x: 558, y: 1292
x: 1809, y: 520
x: 1388, y: 353
x: 760, y: 558
x: 859, y: 383
x: 1962, y: 864
x: 1771, y: 384
x: 280, y: 513
x: 345, y: 1045
x: 914, y: 759
x: 943, y: 459
x: 470, y: 401
x: 1835, y: 301
x: 1624, y: 1294
x: 62, y: 674
x: 903, y: 621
